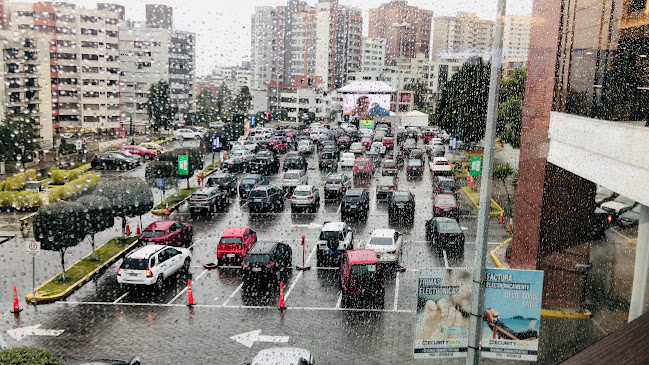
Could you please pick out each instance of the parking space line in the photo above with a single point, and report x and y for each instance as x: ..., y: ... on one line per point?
x: 120, y: 298
x: 339, y: 206
x: 185, y: 289
x: 232, y: 295
x: 340, y: 299
x: 290, y: 289
x: 620, y: 233
x: 396, y: 292
x: 195, y: 242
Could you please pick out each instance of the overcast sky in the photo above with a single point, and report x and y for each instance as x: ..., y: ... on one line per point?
x: 223, y: 26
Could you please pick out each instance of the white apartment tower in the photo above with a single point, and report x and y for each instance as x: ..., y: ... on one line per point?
x: 373, y: 54
x: 516, y: 36
x: 462, y: 36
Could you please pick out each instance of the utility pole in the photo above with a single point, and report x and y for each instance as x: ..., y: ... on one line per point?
x: 401, y: 27
x: 477, y: 301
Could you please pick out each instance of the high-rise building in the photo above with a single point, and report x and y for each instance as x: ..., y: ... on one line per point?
x: 416, y: 36
x: 516, y: 36
x: 373, y: 54
x: 84, y: 60
x: 462, y: 36
x: 159, y: 16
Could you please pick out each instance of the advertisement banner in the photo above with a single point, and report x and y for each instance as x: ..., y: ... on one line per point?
x: 366, y: 123
x: 442, y: 321
x: 512, y: 314
x: 183, y: 165
x: 246, y: 126
x: 366, y: 105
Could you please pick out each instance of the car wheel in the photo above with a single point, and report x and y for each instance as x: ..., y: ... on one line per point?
x: 187, y: 265
x: 159, y: 283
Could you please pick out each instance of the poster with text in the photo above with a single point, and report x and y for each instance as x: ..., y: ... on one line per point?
x: 512, y: 314
x: 366, y: 124
x: 366, y: 105
x: 442, y: 319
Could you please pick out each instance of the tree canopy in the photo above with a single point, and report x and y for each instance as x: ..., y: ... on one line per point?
x: 17, y: 138
x: 160, y: 110
x: 128, y: 197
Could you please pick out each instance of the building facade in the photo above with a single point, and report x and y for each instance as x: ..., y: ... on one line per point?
x: 462, y: 35
x: 373, y: 54
x: 516, y: 36
x: 416, y: 36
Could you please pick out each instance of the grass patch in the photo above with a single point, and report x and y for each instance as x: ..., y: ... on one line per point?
x: 176, y: 198
x: 82, y: 268
x: 475, y: 199
x: 210, y: 167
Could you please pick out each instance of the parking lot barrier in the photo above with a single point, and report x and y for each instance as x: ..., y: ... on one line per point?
x: 304, y: 266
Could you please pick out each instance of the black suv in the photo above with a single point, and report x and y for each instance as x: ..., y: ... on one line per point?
x: 266, y: 197
x: 223, y: 180
x: 294, y: 161
x: 328, y: 160
x: 444, y: 185
x: 356, y: 203
x: 208, y: 200
x: 272, y: 156
x: 267, y: 260
x: 260, y: 165
x: 445, y: 233
x: 234, y: 165
x: 401, y: 207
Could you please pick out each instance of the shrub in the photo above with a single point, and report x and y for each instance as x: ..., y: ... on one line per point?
x: 72, y: 175
x: 58, y: 176
x: 28, y: 356
x: 18, y: 181
x: 74, y: 187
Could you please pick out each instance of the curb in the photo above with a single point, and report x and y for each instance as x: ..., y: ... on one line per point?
x: 586, y: 314
x: 171, y: 208
x: 492, y: 253
x: 72, y: 288
x: 475, y: 204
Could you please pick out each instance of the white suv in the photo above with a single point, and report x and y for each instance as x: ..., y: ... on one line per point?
x: 151, y: 264
x: 305, y: 196
x: 186, y: 133
x: 293, y: 178
x: 335, y: 238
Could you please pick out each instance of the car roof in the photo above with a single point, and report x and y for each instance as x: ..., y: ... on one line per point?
x: 445, y: 196
x: 160, y: 225
x: 262, y: 247
x: 445, y: 220
x: 387, y: 178
x: 333, y: 226
x: 361, y: 256
x: 234, y: 232
x: 445, y: 178
x: 205, y: 190
x: 296, y: 171
x: 303, y: 187
x: 252, y: 176
x: 383, y: 232
x: 263, y: 187
x: 436, y: 159
x: 363, y: 159
x: 145, y: 252
x: 354, y: 192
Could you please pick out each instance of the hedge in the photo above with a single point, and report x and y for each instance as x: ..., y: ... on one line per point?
x: 74, y: 187
x: 20, y: 199
x: 18, y: 181
x: 28, y: 356
x: 59, y: 176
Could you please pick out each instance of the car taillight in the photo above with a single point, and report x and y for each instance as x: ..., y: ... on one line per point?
x: 244, y: 265
x: 310, y: 197
x: 408, y: 167
x: 231, y: 165
x: 421, y: 167
x: 442, y: 235
x: 325, y: 186
x: 270, y: 266
x: 149, y: 274
x: 294, y: 197
x: 119, y: 272
x: 392, y: 187
x: 267, y: 200
x: 610, y: 218
x: 248, y: 199
x: 437, y: 189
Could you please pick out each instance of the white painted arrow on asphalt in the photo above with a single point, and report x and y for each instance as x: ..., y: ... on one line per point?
x: 249, y: 338
x: 309, y: 226
x: 35, y: 330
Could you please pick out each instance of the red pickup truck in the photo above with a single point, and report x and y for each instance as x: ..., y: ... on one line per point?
x: 363, y: 166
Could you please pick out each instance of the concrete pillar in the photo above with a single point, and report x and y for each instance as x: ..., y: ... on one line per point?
x: 639, y: 299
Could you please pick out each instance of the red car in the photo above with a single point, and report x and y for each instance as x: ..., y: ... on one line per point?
x: 428, y: 135
x: 361, y: 277
x: 147, y: 154
x: 445, y: 205
x: 277, y: 145
x: 172, y: 233
x: 388, y: 142
x: 235, y: 243
x: 363, y: 166
x: 367, y: 142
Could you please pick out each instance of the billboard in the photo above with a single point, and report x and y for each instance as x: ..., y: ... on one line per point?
x: 512, y: 314
x: 441, y: 321
x: 366, y: 123
x: 366, y: 105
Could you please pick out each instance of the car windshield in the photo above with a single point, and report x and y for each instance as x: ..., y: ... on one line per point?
x: 449, y: 227
x: 445, y: 201
x: 330, y: 236
x: 414, y: 163
x: 389, y: 163
x: 219, y: 180
x: 230, y: 240
x: 257, y: 258
x: 334, y: 181
x: 386, y: 181
x: 360, y: 163
x: 353, y: 198
x: 200, y: 196
x: 291, y: 176
x: 302, y: 192
x: 363, y: 270
x: 381, y: 241
x: 258, y: 194
x: 134, y: 264
x: 248, y: 181
x: 400, y: 198
x: 348, y: 156
x: 153, y: 234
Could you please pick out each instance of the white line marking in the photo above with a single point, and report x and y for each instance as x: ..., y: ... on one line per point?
x: 201, y: 274
x: 233, y: 294
x: 620, y: 233
x: 445, y: 259
x: 120, y: 298
x: 244, y: 204
x: 340, y: 300
x: 195, y: 242
x: 339, y: 206
x: 290, y: 289
x: 184, y: 290
x: 396, y: 292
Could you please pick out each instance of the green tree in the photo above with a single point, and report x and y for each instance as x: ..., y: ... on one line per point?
x: 28, y: 356
x: 462, y: 109
x: 59, y: 226
x: 194, y: 156
x: 510, y: 108
x: 159, y: 108
x: 205, y: 110
x: 502, y: 172
x: 17, y: 138
x: 420, y: 94
x: 243, y: 101
x: 98, y: 216
x: 128, y: 197
x: 223, y: 100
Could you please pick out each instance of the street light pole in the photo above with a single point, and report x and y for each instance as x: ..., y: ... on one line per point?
x: 477, y: 301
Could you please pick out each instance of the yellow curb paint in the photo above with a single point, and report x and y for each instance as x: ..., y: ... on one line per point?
x: 586, y: 314
x: 492, y: 253
x: 475, y: 204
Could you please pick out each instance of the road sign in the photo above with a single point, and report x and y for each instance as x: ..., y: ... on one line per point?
x: 216, y: 143
x: 452, y: 145
x: 249, y: 338
x: 33, y: 248
x: 476, y: 165
x: 183, y: 165
x: 160, y: 183
x: 253, y: 121
x: 78, y: 144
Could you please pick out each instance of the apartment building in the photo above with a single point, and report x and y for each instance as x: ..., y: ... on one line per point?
x: 26, y: 90
x: 373, y: 54
x: 302, y: 99
x: 416, y: 35
x: 462, y: 36
x: 84, y: 60
x: 516, y: 36
x: 234, y: 77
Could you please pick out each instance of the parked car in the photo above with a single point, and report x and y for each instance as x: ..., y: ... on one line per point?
x: 223, y: 180
x: 363, y: 167
x: 153, y: 146
x: 401, y: 207
x: 356, y: 148
x: 250, y: 182
x: 618, y: 206
x: 602, y: 195
x: 151, y: 265
x: 305, y: 147
x: 361, y: 278
x: 328, y: 161
x: 186, y: 133
x: 249, y: 145
x: 387, y: 244
x: 334, y: 238
x: 105, y: 161
x: 277, y: 145
x: 305, y: 197
x: 336, y: 185
x: 208, y: 200
x: 133, y: 160
x: 293, y: 178
x: 234, y: 165
x: 347, y: 160
x: 172, y: 233
x: 216, y: 125
x: 243, y: 154
x: 272, y: 156
x: 378, y: 147
x: 445, y: 205
x: 235, y: 243
x: 344, y: 142
x: 630, y: 218
x: 267, y: 260
x: 440, y: 166
x: 294, y: 161
x: 385, y: 187
x: 415, y: 167
x: 388, y: 142
x: 445, y: 233
x: 356, y: 203
x: 139, y: 151
x: 266, y: 198
x: 33, y: 186
x: 367, y: 142
x: 444, y: 185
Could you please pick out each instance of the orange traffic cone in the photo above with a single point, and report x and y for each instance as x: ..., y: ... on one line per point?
x: 139, y: 230
x: 282, y: 306
x: 190, y: 298
x: 167, y: 208
x: 128, y: 228
x: 511, y: 225
x: 501, y: 218
x: 16, y: 303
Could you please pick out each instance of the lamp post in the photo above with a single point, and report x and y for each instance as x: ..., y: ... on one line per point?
x: 401, y: 27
